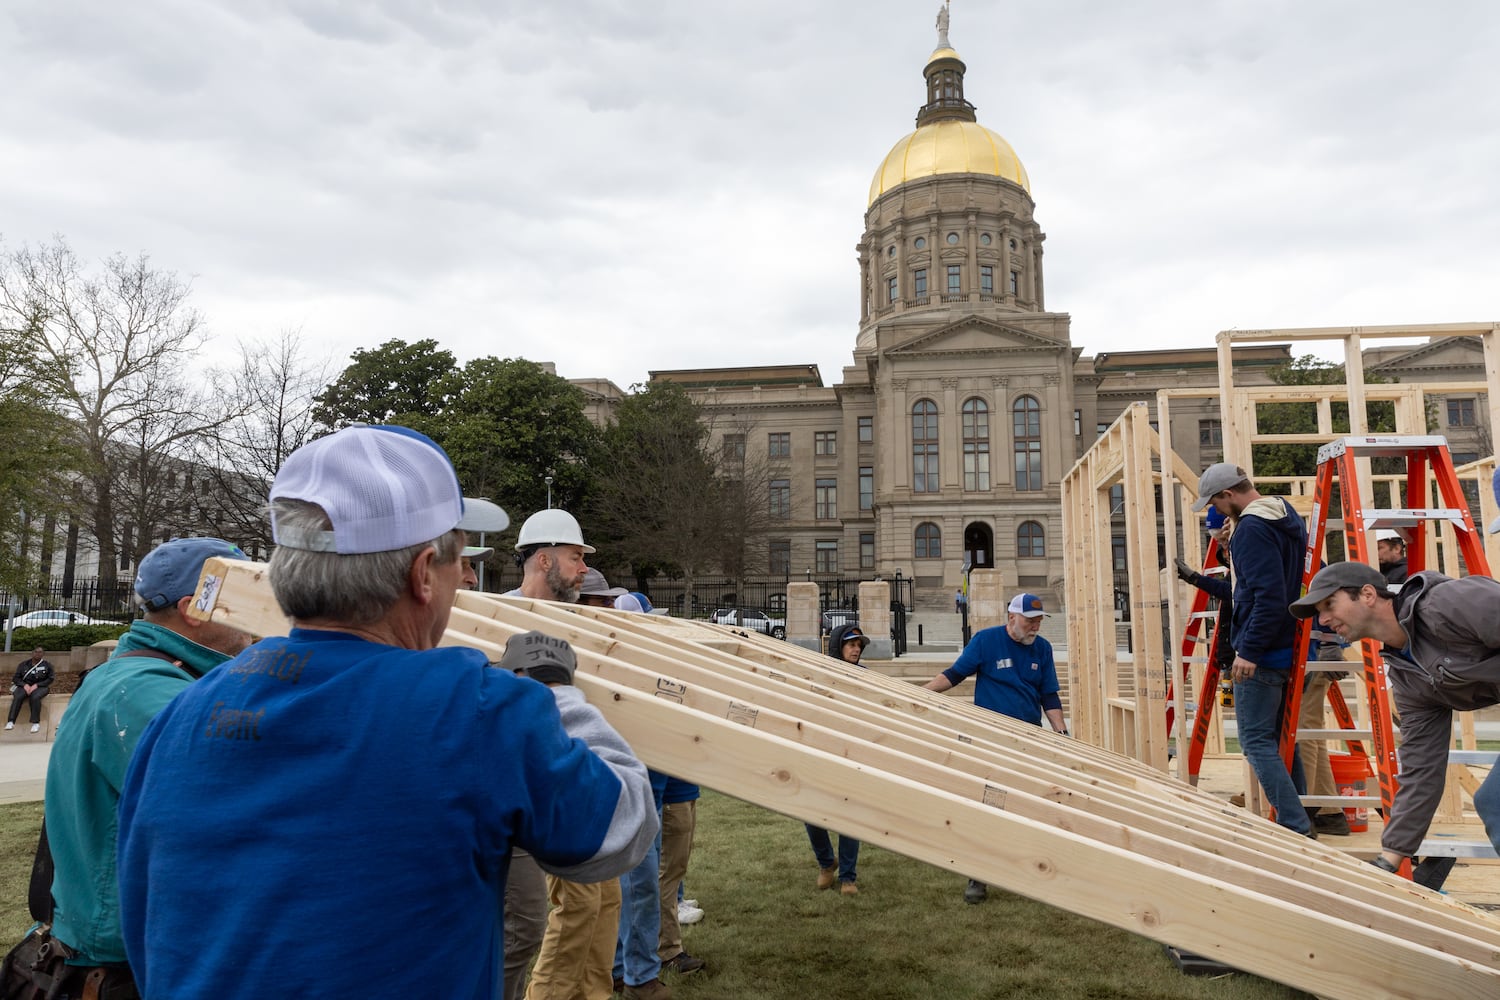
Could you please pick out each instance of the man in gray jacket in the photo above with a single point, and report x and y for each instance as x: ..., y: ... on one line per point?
x: 1442, y: 654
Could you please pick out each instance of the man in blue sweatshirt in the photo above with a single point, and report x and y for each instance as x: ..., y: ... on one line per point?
x: 331, y: 813
x: 1270, y: 543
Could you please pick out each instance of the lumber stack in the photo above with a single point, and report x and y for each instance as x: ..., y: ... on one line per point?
x: 978, y: 794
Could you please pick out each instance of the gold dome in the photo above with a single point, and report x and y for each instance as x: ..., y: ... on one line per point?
x: 948, y: 147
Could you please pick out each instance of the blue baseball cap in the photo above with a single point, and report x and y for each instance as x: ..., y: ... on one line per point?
x: 1214, y: 520
x: 170, y: 571
x: 1028, y: 605
x: 1495, y: 488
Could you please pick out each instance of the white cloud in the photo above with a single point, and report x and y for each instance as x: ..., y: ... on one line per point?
x: 621, y: 187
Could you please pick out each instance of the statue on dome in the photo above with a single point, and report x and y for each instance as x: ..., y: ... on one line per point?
x: 942, y: 26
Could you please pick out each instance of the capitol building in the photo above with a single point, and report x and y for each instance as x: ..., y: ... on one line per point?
x: 944, y: 442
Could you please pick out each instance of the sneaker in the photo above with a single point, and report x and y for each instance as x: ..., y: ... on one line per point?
x: 682, y: 963
x: 826, y: 877
x: 975, y: 892
x: 653, y: 989
x: 688, y: 914
x: 36, y: 727
x: 1334, y: 824
x: 690, y: 902
x: 10, y: 725
x: 848, y: 889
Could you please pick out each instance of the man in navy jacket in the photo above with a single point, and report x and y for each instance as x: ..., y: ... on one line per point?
x: 1270, y: 542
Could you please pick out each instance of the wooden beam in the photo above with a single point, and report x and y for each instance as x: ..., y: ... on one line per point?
x: 981, y: 795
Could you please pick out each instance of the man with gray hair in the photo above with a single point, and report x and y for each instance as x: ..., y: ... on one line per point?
x: 307, y: 820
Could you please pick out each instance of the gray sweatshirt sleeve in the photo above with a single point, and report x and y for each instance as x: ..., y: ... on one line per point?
x: 634, y: 826
x: 1426, y: 731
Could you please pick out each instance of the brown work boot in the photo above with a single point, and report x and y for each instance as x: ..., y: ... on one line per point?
x: 848, y: 889
x: 1237, y: 799
x: 653, y: 989
x: 826, y: 877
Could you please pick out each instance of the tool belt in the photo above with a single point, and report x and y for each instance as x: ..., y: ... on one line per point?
x: 38, y: 969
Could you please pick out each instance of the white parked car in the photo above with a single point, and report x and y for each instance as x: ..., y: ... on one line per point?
x: 747, y: 618
x: 40, y: 619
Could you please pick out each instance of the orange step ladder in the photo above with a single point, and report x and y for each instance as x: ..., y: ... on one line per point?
x: 1338, y: 462
x: 1204, y: 628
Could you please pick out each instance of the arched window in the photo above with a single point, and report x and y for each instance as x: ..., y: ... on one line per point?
x: 1026, y: 417
x: 924, y: 446
x: 929, y: 541
x: 976, y: 420
x: 1031, y: 542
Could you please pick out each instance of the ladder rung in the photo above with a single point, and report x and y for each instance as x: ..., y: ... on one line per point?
x: 1473, y: 756
x: 1215, y: 571
x: 1333, y: 734
x: 1409, y: 517
x: 1330, y: 666
x: 1341, y: 800
x: 1200, y: 615
x: 1442, y: 847
x: 1380, y: 445
x: 1194, y: 659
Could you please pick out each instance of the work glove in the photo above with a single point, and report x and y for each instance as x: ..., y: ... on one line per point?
x: 1186, y: 573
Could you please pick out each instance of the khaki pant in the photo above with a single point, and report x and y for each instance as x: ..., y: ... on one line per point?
x: 678, y: 821
x: 1314, y: 753
x: 578, y: 951
x: 525, y: 920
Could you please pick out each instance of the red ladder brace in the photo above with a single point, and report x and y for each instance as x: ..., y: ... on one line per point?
x: 1192, y: 635
x: 1337, y: 460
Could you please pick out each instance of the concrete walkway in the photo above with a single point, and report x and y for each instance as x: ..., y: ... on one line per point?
x: 23, y: 771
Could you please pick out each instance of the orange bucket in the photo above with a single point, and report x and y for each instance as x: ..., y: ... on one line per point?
x: 1349, y: 773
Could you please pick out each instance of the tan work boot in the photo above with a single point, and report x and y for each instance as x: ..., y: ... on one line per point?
x: 653, y: 989
x: 826, y: 877
x: 848, y: 889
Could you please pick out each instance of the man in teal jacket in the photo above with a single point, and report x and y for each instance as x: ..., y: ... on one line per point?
x: 156, y: 659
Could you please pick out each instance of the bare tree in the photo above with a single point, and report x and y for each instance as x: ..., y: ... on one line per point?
x: 111, y: 351
x: 272, y: 393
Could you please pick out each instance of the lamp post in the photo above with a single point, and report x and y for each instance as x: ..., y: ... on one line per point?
x: 548, y: 481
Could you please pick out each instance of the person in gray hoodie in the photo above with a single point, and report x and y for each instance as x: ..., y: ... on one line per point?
x: 1442, y: 654
x: 1270, y: 542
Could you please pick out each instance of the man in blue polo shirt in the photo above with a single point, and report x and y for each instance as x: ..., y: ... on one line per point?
x: 1015, y: 676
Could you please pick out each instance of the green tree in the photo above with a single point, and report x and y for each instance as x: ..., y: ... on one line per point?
x: 1302, y: 417
x: 110, y: 349
x: 659, y: 498
x: 507, y: 425
x: 394, y: 383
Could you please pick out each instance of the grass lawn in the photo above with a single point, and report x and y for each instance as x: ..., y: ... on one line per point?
x: 908, y: 935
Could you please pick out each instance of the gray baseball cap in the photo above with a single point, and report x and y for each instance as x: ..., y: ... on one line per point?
x: 1216, y: 479
x: 1335, y: 577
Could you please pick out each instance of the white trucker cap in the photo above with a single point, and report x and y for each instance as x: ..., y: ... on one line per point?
x: 383, y: 487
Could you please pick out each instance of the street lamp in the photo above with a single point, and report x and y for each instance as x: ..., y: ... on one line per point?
x: 548, y: 481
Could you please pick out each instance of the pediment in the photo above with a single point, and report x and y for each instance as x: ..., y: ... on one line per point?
x: 973, y: 334
x: 1441, y: 352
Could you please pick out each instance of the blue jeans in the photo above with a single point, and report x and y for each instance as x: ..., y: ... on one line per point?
x: 636, y: 960
x: 1487, y: 805
x: 822, y: 847
x: 1257, y: 703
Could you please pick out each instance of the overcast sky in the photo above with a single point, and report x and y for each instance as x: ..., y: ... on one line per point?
x: 620, y: 185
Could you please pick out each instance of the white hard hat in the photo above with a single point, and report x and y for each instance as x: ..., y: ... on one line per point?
x: 1390, y: 535
x: 551, y: 527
